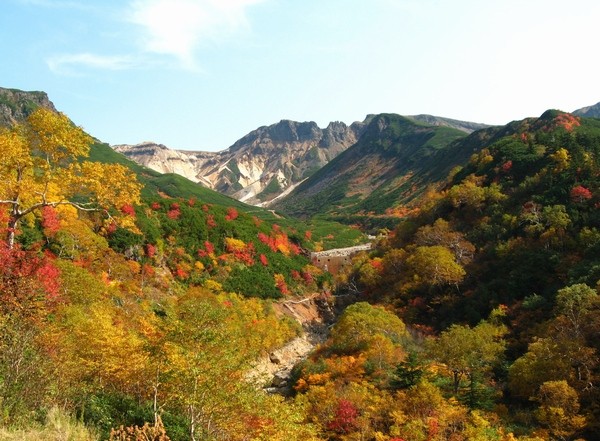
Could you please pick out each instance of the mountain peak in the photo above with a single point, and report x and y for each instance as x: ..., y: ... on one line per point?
x: 16, y: 105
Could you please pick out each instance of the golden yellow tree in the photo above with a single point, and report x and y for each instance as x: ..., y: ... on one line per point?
x: 41, y: 167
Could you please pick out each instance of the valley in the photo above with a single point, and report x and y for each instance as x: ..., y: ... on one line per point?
x: 136, y: 302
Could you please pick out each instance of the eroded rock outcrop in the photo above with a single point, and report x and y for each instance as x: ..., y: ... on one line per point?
x: 260, y: 166
x: 272, y: 372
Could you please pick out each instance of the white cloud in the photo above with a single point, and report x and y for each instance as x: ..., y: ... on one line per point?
x: 69, y: 4
x: 71, y: 64
x: 178, y: 27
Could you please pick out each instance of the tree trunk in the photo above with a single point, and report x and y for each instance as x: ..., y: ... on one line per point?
x: 10, y: 233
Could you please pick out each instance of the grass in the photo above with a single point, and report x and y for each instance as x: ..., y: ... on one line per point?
x: 58, y: 427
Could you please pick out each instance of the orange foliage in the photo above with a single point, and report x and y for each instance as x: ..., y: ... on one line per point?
x: 567, y: 121
x: 281, y: 285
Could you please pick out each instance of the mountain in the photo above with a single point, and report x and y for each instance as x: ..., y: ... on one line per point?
x: 465, y: 126
x: 260, y: 166
x: 16, y: 105
x: 589, y: 111
x: 396, y: 158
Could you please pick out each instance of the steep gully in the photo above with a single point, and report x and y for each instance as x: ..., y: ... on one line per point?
x: 316, y: 314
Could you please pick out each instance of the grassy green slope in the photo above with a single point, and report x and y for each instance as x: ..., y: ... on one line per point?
x: 331, y: 234
x: 394, y: 156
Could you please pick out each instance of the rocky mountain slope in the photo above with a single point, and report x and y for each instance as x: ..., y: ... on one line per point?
x: 463, y: 126
x: 261, y: 165
x: 16, y: 105
x: 396, y: 158
x: 589, y: 111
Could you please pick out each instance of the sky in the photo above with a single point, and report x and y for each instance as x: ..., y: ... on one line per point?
x: 200, y: 74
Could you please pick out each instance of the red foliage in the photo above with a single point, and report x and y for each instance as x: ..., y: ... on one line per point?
x: 174, y: 212
x: 345, y: 417
x: 308, y: 235
x: 264, y: 260
x: 128, y: 210
x: 308, y: 278
x: 205, y: 208
x: 295, y: 249
x: 264, y: 238
x: 377, y: 264
x: 257, y: 221
x: 155, y: 206
x: 244, y: 255
x: 567, y: 121
x: 26, y: 278
x: 210, y: 221
x: 279, y: 241
x: 433, y: 429
x: 148, y: 270
x: 281, y: 285
x: 191, y: 202
x: 50, y: 220
x: 232, y: 214
x: 150, y: 250
x: 209, y: 247
x: 507, y: 166
x: 112, y: 227
x: 295, y: 275
x: 580, y: 194
x: 48, y: 275
x: 179, y: 272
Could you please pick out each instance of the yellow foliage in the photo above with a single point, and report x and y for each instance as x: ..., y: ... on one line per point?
x: 40, y: 167
x: 213, y: 285
x: 233, y: 245
x: 561, y: 159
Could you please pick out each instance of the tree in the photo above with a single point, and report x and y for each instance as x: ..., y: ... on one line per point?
x: 361, y: 323
x: 559, y: 409
x: 40, y: 169
x: 469, y: 352
x: 408, y: 373
x: 435, y: 265
x: 440, y: 233
x: 573, y: 302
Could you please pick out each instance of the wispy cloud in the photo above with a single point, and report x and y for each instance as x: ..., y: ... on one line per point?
x: 179, y: 27
x: 72, y: 64
x: 71, y: 4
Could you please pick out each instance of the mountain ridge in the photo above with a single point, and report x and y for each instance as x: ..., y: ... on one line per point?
x: 259, y: 166
x: 592, y: 111
x: 400, y: 156
x: 269, y: 162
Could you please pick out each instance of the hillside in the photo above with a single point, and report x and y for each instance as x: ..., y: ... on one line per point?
x: 134, y: 306
x: 395, y: 160
x: 501, y: 264
x: 258, y: 167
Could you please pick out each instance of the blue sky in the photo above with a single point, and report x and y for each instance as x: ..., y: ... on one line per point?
x: 200, y: 74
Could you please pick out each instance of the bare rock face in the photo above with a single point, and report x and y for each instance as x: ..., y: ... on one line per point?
x: 589, y: 111
x: 259, y: 167
x: 17, y: 105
